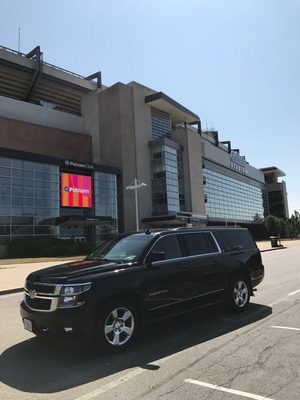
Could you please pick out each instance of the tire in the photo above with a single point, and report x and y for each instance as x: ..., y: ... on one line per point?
x: 117, y: 327
x: 239, y: 293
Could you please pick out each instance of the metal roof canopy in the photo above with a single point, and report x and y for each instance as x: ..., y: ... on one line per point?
x: 27, y: 78
x: 176, y: 218
x: 78, y: 220
x: 165, y: 103
x: 273, y: 170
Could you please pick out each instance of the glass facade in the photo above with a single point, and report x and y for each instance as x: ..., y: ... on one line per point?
x: 276, y: 202
x: 105, y: 188
x: 167, y: 179
x: 30, y: 204
x: 231, y: 196
x: 266, y: 204
x: 29, y: 198
x: 161, y: 123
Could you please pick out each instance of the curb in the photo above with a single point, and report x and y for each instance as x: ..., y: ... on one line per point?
x: 10, y: 291
x: 18, y: 290
x: 275, y: 248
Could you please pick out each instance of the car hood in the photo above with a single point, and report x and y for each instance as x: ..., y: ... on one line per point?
x: 76, y: 270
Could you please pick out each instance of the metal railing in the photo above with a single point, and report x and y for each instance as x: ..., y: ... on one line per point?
x: 46, y: 63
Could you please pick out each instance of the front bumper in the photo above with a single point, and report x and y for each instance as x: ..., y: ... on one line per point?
x: 80, y: 319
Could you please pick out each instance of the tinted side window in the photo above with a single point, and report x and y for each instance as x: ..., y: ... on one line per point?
x: 199, y: 243
x: 236, y: 239
x: 169, y: 245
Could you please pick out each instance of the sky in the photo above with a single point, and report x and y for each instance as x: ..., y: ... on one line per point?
x: 235, y: 63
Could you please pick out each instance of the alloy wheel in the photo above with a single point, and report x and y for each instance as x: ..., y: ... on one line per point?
x: 119, y: 326
x: 240, y: 294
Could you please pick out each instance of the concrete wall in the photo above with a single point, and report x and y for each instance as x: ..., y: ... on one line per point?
x: 221, y: 157
x: 285, y: 200
x: 117, y: 142
x: 44, y: 116
x: 143, y: 135
x: 37, y: 139
x: 279, y: 187
x: 274, y: 187
x: 192, y: 167
x: 90, y: 117
x: 48, y: 69
x: 121, y: 129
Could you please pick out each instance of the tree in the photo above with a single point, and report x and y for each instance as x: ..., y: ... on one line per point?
x: 274, y: 225
x: 257, y: 219
x: 293, y: 225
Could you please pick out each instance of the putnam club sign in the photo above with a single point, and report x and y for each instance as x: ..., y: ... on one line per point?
x: 76, y: 190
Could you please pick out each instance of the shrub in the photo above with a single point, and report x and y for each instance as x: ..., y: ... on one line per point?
x: 47, y: 246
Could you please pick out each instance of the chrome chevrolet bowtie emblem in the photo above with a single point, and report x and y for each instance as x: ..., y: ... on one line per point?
x: 32, y: 294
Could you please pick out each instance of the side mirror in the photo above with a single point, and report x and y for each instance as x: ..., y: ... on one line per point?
x: 156, y: 256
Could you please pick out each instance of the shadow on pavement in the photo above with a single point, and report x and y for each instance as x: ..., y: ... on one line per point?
x: 62, y: 363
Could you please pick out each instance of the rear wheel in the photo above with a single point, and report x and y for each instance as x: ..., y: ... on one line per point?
x: 118, y: 325
x: 239, y: 293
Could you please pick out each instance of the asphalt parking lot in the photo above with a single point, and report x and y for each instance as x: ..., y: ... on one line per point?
x: 208, y: 354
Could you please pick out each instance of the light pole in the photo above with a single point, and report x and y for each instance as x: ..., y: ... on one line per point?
x: 136, y: 185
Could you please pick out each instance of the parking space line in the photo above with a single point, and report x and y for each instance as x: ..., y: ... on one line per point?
x: 122, y: 379
x: 223, y: 389
x: 282, y: 298
x: 295, y: 292
x: 111, y: 385
x: 285, y: 327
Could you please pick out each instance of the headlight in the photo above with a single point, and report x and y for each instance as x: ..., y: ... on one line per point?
x: 71, y: 295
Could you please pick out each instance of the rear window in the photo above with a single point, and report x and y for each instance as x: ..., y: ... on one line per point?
x: 231, y: 240
x: 199, y: 243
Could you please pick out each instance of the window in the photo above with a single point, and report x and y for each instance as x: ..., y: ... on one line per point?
x: 169, y: 245
x: 161, y: 123
x: 232, y: 196
x: 128, y: 248
x: 20, y: 201
x: 199, y: 243
x: 105, y: 186
x: 167, y: 182
x: 4, y: 171
x: 236, y: 239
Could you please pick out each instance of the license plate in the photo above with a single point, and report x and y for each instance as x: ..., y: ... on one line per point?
x: 27, y: 324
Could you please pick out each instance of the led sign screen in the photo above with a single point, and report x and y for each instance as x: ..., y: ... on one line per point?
x: 76, y: 190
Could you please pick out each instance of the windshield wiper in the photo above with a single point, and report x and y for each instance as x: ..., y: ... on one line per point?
x: 115, y: 261
x: 111, y: 260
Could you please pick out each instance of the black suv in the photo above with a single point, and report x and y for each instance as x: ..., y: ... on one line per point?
x: 140, y: 277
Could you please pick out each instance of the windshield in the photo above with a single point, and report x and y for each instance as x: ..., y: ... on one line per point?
x: 128, y: 248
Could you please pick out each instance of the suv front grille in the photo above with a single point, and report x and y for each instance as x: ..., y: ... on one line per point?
x: 38, y: 303
x: 41, y: 296
x: 40, y: 287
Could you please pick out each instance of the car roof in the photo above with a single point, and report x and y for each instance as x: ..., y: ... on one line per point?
x: 165, y: 231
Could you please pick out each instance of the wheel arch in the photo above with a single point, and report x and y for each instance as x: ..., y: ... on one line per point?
x: 128, y: 295
x: 246, y: 273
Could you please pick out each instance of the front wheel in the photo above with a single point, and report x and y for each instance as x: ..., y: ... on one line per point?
x: 118, y: 325
x: 239, y: 293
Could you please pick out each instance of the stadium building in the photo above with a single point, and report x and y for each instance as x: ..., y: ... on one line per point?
x: 70, y: 147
